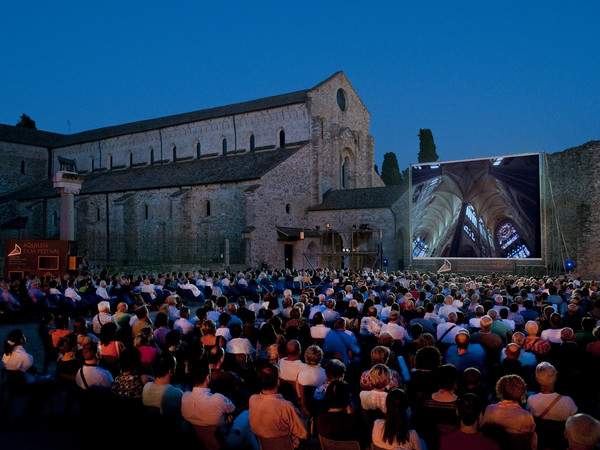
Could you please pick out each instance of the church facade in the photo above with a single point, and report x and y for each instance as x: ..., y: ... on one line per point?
x: 284, y: 181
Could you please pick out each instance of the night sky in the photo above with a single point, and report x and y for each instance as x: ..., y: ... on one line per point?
x: 488, y: 78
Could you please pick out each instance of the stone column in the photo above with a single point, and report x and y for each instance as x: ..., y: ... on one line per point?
x: 67, y: 184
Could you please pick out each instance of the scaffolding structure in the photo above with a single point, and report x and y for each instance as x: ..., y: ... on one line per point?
x: 356, y: 248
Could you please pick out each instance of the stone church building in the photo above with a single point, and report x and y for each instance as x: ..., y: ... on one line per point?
x: 283, y: 181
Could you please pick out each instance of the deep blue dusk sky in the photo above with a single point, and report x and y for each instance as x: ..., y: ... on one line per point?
x: 488, y: 78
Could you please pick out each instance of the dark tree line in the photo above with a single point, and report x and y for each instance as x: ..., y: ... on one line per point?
x: 390, y: 170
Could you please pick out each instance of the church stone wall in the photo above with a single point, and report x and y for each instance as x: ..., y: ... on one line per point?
x: 157, y: 229
x: 32, y: 159
x: 264, y: 125
x: 338, y: 133
x: 281, y: 201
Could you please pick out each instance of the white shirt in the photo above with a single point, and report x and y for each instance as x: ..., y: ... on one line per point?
x: 18, y: 359
x: 289, y: 370
x: 72, y: 294
x: 223, y: 332
x: 552, y: 335
x: 240, y: 346
x: 319, y: 331
x: 450, y: 335
x: 373, y: 400
x: 191, y: 287
x: 183, y: 325
x: 202, y: 407
x: 149, y: 289
x: 312, y: 376
x: 397, y: 331
x: 100, y: 291
x: 561, y: 411
x: 95, y: 377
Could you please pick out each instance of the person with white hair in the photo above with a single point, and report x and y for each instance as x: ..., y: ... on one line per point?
x: 447, y: 308
x: 102, y: 317
x: 549, y: 405
x: 101, y: 290
x: 582, y: 432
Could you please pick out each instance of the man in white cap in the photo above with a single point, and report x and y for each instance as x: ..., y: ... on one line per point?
x: 102, y: 317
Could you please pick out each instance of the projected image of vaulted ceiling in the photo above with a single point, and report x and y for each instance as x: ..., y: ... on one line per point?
x: 484, y: 208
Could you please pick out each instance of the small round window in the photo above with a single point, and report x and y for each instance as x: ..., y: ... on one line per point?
x: 341, y: 99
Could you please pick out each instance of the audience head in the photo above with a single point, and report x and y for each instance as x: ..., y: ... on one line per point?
x: 380, y: 355
x: 215, y: 356
x: 199, y: 371
x: 462, y: 339
x: 486, y: 323
x: 582, y: 432
x: 512, y: 352
x: 447, y: 377
x: 511, y: 387
x: 294, y: 349
x: 545, y: 374
x: 567, y: 335
x: 469, y: 408
x: 428, y: 358
x: 164, y: 365
x: 335, y: 369
x: 313, y: 355
x: 338, y: 394
x: 380, y: 376
x: 267, y: 377
x: 396, y: 421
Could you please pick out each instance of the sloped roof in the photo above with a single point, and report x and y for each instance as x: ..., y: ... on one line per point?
x: 222, y: 169
x: 28, y: 136
x: 178, y: 119
x: 363, y: 198
x: 46, y: 139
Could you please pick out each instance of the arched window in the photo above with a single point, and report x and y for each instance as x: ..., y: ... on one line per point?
x: 92, y: 164
x: 22, y: 167
x: 511, y: 242
x: 341, y: 99
x: 174, y: 153
x: 198, y: 150
x: 420, y: 246
x: 507, y: 234
x: 224, y: 146
x: 252, y: 147
x: 151, y: 156
x: 97, y: 214
x: 130, y: 159
x: 110, y: 162
x: 207, y: 208
x: 288, y: 208
x: 146, y: 212
x: 347, y: 172
x: 282, y: 139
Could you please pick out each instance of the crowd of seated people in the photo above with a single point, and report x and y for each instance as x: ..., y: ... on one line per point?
x: 391, y: 361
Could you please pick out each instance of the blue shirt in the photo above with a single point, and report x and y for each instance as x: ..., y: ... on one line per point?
x: 337, y: 341
x: 474, y: 357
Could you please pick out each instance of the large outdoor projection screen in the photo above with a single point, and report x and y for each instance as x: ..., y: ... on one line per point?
x: 479, y: 208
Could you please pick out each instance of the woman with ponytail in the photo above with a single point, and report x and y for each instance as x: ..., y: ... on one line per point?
x: 393, y: 431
